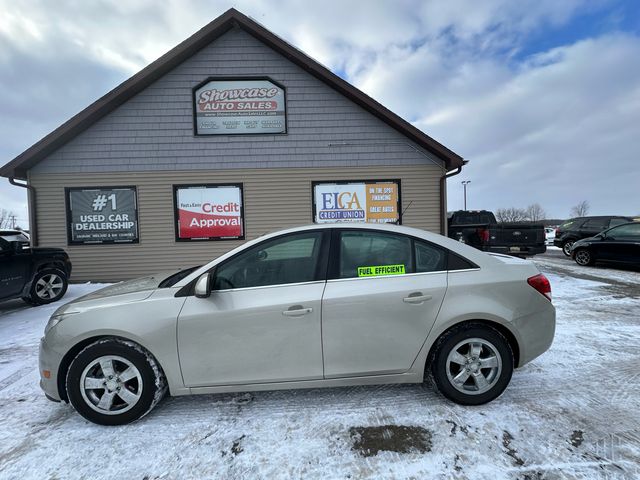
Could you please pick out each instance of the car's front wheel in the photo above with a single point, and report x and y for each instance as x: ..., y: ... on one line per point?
x: 48, y: 285
x: 583, y: 257
x: 566, y: 247
x: 472, y: 364
x: 114, y: 382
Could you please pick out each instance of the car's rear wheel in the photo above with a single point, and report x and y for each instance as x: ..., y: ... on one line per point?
x: 48, y: 285
x: 472, y: 364
x: 566, y: 247
x: 114, y: 382
x: 583, y: 257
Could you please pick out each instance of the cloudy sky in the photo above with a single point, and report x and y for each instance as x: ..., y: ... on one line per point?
x: 541, y: 96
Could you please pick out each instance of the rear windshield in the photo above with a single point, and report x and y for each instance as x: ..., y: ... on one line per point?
x: 471, y: 218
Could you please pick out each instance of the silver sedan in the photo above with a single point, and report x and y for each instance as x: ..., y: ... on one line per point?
x: 308, y: 307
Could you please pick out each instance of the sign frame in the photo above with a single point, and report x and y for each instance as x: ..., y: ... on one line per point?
x: 236, y: 79
x: 176, y: 218
x: 314, y: 183
x: 68, y: 213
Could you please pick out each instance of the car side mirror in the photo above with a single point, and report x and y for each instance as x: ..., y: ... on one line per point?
x: 203, y: 286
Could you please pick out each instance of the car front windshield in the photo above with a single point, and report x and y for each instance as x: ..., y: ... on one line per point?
x: 171, y: 280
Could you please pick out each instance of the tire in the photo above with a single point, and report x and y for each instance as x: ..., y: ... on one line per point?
x: 583, y: 257
x: 566, y: 247
x: 48, y: 285
x: 104, y: 396
x: 453, y: 359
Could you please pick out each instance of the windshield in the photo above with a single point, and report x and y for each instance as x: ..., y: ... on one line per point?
x: 171, y: 280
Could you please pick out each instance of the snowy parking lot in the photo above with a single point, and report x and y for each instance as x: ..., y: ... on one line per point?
x: 573, y: 413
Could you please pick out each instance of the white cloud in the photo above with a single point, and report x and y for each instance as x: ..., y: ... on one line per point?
x: 554, y: 128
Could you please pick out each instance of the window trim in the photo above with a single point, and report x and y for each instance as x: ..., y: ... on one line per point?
x: 333, y: 267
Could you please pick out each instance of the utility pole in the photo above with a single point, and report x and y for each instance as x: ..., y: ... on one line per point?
x: 464, y: 184
x: 13, y: 221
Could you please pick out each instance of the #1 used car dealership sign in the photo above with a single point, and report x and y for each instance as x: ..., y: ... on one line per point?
x: 230, y: 107
x: 209, y: 212
x: 102, y: 215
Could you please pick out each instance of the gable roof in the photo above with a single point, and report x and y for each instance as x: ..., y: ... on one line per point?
x: 19, y: 166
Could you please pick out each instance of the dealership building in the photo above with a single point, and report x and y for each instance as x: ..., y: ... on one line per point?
x: 232, y: 134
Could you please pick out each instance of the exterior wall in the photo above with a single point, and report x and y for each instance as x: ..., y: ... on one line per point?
x: 153, y: 131
x: 274, y: 198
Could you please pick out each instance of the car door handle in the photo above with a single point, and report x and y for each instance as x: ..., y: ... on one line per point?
x: 297, y: 311
x: 416, y: 297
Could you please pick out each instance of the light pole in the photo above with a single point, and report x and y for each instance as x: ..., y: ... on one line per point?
x: 464, y: 184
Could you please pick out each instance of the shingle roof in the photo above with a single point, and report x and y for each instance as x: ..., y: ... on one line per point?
x: 18, y: 167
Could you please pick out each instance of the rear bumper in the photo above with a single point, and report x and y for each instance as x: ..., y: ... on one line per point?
x: 536, y: 332
x: 522, y: 250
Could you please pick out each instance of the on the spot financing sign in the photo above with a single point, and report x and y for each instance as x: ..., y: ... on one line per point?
x: 231, y: 107
x: 209, y: 212
x: 370, y: 201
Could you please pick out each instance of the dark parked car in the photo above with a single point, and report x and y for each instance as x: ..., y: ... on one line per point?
x: 620, y: 244
x: 480, y: 229
x: 37, y: 275
x: 584, y: 227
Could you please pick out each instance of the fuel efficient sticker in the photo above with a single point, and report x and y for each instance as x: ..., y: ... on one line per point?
x: 376, y: 270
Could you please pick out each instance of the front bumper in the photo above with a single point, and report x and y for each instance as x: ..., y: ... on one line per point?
x: 49, y: 360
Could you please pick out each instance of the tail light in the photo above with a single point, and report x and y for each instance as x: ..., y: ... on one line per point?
x: 541, y: 284
x: 483, y: 233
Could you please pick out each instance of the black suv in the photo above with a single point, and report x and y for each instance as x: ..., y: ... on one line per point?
x: 37, y: 275
x: 584, y: 227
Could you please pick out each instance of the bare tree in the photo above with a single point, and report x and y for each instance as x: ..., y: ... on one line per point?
x: 581, y: 209
x: 511, y: 214
x: 7, y: 218
x: 535, y: 212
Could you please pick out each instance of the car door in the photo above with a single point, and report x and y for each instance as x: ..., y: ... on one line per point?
x: 262, y: 320
x: 376, y: 309
x: 593, y: 226
x: 13, y: 270
x: 621, y: 244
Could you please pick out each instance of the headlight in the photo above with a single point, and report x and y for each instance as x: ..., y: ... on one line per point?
x: 54, y: 320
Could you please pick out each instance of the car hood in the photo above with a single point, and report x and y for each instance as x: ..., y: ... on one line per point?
x: 584, y: 241
x: 124, y: 292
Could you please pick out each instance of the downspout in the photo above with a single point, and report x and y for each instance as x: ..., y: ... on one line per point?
x: 31, y: 200
x: 443, y: 197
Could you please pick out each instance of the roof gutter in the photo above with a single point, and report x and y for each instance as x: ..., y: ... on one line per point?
x: 31, y: 200
x: 443, y: 197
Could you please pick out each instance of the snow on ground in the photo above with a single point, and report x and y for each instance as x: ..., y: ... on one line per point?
x: 571, y: 414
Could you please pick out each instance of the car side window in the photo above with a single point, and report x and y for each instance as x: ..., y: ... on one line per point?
x: 429, y: 258
x: 282, y: 260
x: 365, y: 253
x: 617, y: 221
x: 595, y: 224
x: 625, y: 231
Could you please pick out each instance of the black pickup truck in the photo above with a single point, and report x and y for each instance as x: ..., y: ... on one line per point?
x: 37, y: 275
x: 480, y: 229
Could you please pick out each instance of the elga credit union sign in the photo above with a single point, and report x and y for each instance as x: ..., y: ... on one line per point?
x: 209, y: 212
x: 231, y: 107
x: 102, y: 215
x: 368, y: 201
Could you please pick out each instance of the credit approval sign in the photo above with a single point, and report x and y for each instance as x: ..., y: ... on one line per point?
x: 209, y: 212
x: 239, y: 106
x: 369, y: 201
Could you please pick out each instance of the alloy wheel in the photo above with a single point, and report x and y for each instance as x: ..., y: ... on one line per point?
x: 583, y: 257
x: 111, y: 385
x: 49, y: 286
x: 473, y: 366
x: 566, y: 248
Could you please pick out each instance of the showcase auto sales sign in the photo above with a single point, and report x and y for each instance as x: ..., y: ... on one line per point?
x: 231, y: 107
x: 209, y: 212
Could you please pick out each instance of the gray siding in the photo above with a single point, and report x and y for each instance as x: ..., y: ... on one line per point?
x: 274, y: 198
x: 153, y: 131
